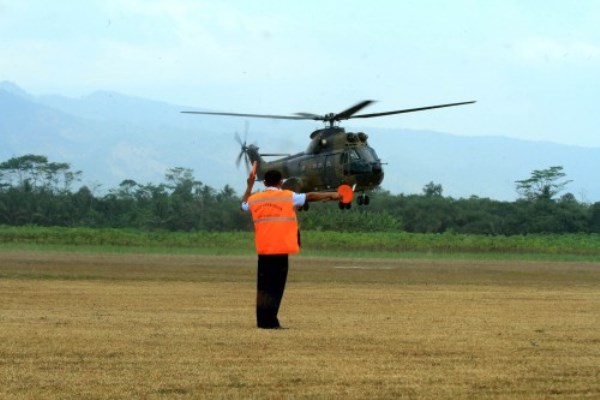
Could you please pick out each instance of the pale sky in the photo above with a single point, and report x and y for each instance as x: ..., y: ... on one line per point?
x: 533, y: 66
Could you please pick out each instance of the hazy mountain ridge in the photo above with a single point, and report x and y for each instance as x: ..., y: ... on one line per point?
x: 482, y: 166
x: 111, y: 137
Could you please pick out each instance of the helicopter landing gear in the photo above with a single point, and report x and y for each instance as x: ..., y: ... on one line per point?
x: 344, y: 206
x: 363, y: 200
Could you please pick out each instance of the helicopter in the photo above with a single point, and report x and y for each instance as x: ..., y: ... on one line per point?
x: 333, y: 157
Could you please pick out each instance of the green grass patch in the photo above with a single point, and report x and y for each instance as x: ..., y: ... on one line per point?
x: 575, y: 247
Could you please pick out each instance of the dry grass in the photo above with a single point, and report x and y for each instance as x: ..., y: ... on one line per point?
x: 130, y: 326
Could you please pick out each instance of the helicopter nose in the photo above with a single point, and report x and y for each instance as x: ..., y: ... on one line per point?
x: 377, y: 169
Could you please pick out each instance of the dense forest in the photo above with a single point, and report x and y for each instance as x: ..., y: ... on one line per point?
x: 35, y: 191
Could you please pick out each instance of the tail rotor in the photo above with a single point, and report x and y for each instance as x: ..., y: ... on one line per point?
x: 244, y: 149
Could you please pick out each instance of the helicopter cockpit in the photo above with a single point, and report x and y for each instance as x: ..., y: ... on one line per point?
x: 360, y: 160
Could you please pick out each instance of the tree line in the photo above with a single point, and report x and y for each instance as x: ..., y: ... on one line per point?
x: 36, y: 191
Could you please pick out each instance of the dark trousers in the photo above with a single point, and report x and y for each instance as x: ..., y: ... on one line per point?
x: 270, y: 284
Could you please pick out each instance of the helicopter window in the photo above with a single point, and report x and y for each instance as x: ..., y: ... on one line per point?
x: 368, y: 154
x: 350, y: 155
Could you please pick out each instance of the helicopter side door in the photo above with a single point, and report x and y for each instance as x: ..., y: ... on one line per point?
x: 349, y: 158
x: 330, y: 171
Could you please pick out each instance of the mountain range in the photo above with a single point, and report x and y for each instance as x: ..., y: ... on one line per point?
x: 111, y: 137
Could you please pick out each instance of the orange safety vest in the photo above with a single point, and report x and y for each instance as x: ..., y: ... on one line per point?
x: 275, y: 224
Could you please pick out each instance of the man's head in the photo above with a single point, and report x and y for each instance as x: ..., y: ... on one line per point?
x: 272, y: 178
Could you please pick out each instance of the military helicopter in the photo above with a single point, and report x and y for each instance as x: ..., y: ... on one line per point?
x: 334, y: 157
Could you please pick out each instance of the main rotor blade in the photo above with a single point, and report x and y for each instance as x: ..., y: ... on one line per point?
x: 305, y: 115
x: 247, y: 115
x: 346, y: 114
x: 408, y: 110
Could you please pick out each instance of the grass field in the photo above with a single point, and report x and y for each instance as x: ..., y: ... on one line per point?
x: 78, y: 325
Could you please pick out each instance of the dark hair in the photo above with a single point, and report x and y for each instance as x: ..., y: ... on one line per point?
x: 272, y: 177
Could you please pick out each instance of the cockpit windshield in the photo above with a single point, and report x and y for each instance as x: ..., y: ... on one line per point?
x: 364, y: 153
x: 367, y: 153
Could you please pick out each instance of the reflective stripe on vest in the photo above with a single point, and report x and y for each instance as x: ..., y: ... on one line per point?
x: 271, y: 219
x: 275, y: 224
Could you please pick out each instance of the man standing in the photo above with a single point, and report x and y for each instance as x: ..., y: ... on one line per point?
x: 276, y: 236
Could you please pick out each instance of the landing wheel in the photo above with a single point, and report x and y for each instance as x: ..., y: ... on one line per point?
x: 363, y: 200
x: 344, y: 206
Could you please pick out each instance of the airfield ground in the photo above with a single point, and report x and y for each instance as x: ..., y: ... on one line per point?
x: 104, y: 326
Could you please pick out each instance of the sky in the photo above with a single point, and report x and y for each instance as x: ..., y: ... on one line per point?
x: 532, y: 66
